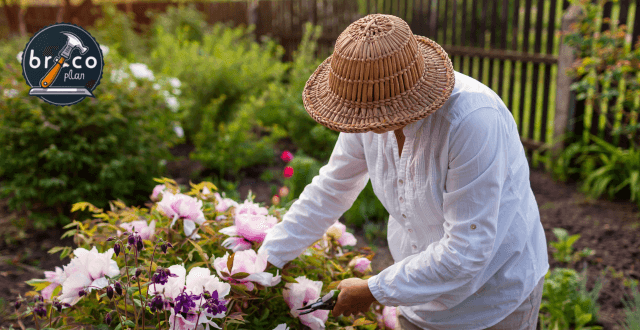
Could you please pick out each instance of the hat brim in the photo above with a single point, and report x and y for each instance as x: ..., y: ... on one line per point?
x: 427, y: 95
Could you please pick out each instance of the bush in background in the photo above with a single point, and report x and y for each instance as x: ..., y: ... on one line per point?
x: 100, y: 149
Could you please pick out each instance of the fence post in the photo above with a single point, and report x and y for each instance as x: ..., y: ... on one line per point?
x: 566, y: 57
x: 252, y: 13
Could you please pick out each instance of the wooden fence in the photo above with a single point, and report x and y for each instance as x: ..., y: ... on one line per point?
x: 512, y: 46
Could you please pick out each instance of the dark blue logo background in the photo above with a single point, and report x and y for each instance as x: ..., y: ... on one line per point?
x: 63, y: 64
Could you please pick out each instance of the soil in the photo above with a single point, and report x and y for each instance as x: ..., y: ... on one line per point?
x: 611, y: 228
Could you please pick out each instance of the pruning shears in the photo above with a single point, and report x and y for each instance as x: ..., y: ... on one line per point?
x: 325, y: 303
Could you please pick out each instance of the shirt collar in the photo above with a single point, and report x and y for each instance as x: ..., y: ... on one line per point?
x: 410, y: 129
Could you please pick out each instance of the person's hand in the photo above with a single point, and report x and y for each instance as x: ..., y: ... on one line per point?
x: 355, y: 297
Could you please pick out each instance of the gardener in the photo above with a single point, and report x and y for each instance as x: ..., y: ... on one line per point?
x: 464, y: 227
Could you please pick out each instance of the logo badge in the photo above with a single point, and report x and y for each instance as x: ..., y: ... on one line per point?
x: 63, y: 64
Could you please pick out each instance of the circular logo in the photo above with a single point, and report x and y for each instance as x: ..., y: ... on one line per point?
x: 63, y: 64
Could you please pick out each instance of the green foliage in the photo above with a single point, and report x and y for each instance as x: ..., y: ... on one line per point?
x: 181, y: 17
x: 566, y: 304
x: 228, y: 148
x: 366, y: 208
x: 632, y: 311
x: 564, y: 250
x: 305, y: 168
x: 282, y: 103
x: 604, y: 169
x: 117, y: 29
x: 108, y: 147
x: 603, y: 62
x: 220, y: 73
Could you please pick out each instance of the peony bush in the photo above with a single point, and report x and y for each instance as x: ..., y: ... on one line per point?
x: 172, y: 266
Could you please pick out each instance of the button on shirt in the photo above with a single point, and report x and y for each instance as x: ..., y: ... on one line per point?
x: 464, y: 227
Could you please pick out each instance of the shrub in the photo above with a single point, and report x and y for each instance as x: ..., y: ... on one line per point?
x: 220, y: 73
x: 565, y: 301
x: 108, y: 147
x: 117, y: 29
x: 132, y: 265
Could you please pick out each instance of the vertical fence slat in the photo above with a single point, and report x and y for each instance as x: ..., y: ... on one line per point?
x: 536, y: 70
x: 504, y: 19
x: 433, y: 11
x: 482, y: 32
x: 454, y: 22
x: 473, y: 33
x: 495, y: 33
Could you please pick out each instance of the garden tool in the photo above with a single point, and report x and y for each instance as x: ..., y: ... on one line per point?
x: 325, y: 303
x: 73, y: 43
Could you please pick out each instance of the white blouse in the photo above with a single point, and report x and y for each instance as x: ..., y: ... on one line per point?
x: 464, y: 227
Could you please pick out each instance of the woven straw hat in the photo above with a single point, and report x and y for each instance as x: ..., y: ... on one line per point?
x: 379, y: 77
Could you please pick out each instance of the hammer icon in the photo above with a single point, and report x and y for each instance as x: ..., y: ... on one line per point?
x: 73, y: 42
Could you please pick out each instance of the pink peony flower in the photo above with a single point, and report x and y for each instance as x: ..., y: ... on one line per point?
x: 146, y: 231
x: 86, y: 271
x: 282, y: 326
x: 184, y: 207
x: 339, y: 231
x: 388, y: 317
x: 224, y: 203
x: 249, y: 262
x: 288, y: 172
x: 286, y: 156
x: 235, y: 243
x: 360, y: 264
x: 56, y: 278
x: 297, y: 295
x: 250, y: 208
x: 157, y: 191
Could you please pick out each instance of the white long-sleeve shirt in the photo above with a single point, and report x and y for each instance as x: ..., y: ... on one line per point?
x: 464, y: 227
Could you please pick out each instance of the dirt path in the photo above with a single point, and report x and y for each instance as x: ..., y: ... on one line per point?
x: 610, y: 228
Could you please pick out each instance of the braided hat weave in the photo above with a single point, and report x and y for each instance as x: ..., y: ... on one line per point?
x: 379, y: 77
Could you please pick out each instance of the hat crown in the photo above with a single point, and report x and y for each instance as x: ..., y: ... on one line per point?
x: 376, y: 58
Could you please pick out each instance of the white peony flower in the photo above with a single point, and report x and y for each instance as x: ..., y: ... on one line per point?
x: 176, y: 91
x: 132, y: 84
x: 172, y: 103
x: 105, y: 50
x: 141, y: 71
x: 175, y: 82
x: 179, y: 131
x: 117, y: 76
x: 10, y: 93
x: 156, y: 86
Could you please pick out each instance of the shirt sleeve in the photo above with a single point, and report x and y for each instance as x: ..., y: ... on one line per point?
x: 331, y: 193
x: 473, y: 186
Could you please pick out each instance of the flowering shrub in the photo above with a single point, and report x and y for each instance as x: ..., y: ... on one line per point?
x: 103, y: 148
x: 159, y: 275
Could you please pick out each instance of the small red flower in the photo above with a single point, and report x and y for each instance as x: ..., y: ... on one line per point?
x: 288, y: 172
x: 286, y: 156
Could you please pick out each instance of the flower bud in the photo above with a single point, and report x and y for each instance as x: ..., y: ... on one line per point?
x: 111, y: 238
x: 107, y: 319
x: 40, y: 311
x: 116, y: 249
x: 18, y: 304
x: 163, y: 247
x: 138, y: 272
x: 133, y: 277
x: 118, y: 288
x: 139, y: 245
x: 57, y: 305
x: 110, y: 292
x: 81, y: 292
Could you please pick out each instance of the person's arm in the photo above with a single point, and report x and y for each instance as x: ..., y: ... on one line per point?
x: 473, y: 186
x: 321, y: 203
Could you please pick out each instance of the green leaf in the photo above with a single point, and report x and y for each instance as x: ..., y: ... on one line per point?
x: 239, y: 276
x: 362, y: 321
x: 230, y: 262
x: 289, y: 279
x: 38, y: 284
x: 129, y: 323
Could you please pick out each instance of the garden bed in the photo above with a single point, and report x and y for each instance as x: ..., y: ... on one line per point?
x: 609, y: 228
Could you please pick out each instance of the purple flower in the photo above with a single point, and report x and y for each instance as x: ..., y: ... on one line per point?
x: 161, y: 276
x: 157, y: 303
x: 110, y: 292
x: 107, y: 319
x: 118, y: 288
x: 164, y: 247
x: 135, y: 241
x: 18, y: 304
x: 185, y: 303
x: 40, y: 310
x: 213, y: 305
x: 116, y: 249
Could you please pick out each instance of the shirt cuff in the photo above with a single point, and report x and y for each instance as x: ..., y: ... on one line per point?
x: 275, y: 261
x: 372, y: 282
